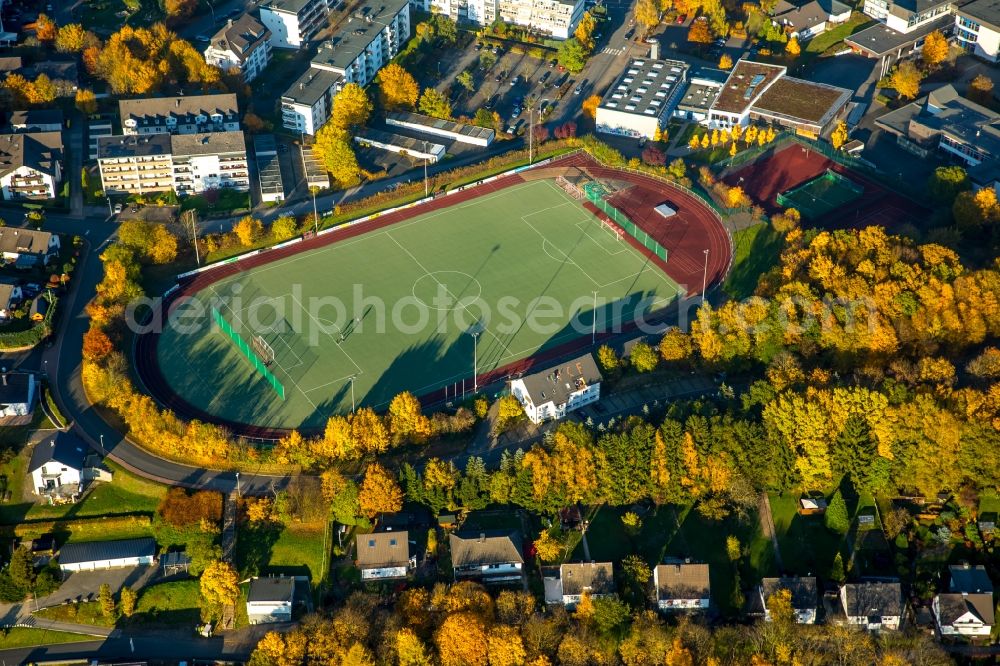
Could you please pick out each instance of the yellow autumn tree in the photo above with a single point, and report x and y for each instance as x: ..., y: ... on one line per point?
x: 792, y: 48
x: 379, y: 492
x: 248, y: 230
x: 406, y: 420
x: 219, y: 586
x: 461, y: 640
x: 839, y: 135
x: 397, y: 87
x: 506, y: 646
x: 590, y: 106
x: 935, y: 49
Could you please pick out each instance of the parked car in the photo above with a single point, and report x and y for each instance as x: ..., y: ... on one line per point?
x: 681, y: 18
x: 492, y: 101
x: 553, y: 63
x: 515, y: 113
x: 630, y: 33
x: 479, y: 46
x: 498, y: 78
x: 514, y: 81
x: 496, y: 50
x: 118, y: 208
x: 545, y: 77
x: 578, y: 90
x: 203, y: 39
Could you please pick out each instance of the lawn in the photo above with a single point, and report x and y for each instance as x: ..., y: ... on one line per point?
x: 21, y: 637
x: 825, y: 41
x: 173, y: 603
x: 807, y: 546
x: 989, y: 502
x: 292, y: 550
x: 704, y: 540
x: 126, y: 494
x: 756, y: 250
x: 339, y: 323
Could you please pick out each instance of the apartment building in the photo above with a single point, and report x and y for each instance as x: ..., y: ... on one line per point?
x: 364, y: 44
x: 215, y: 160
x: 188, y: 114
x: 906, y: 16
x: 555, y: 18
x: 243, y: 44
x: 294, y: 22
x: 186, y: 164
x: 977, y: 28
x: 30, y: 165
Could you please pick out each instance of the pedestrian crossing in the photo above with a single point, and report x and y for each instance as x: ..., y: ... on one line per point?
x: 611, y: 51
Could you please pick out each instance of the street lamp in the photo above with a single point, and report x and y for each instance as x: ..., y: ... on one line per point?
x: 593, y: 327
x: 312, y: 191
x: 426, y: 185
x: 111, y: 211
x: 352, y: 378
x: 238, y: 492
x: 704, y: 277
x: 475, y: 361
x: 102, y: 441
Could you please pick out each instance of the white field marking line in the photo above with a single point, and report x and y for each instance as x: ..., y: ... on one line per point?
x: 583, y: 225
x: 340, y: 346
x: 448, y: 291
x: 566, y: 257
x: 289, y: 377
x: 365, y: 237
x: 644, y: 261
x: 335, y: 381
x: 278, y: 336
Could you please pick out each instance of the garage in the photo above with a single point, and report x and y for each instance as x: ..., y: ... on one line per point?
x: 96, y: 555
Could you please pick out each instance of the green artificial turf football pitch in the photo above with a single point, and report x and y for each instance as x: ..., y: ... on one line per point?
x: 396, y: 308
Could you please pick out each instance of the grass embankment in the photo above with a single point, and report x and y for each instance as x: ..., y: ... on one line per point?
x: 756, y: 250
x: 22, y: 637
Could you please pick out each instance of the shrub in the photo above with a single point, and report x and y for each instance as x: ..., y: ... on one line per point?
x: 836, y: 518
x: 180, y: 507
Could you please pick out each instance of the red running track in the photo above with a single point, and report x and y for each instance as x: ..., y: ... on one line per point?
x: 700, y: 229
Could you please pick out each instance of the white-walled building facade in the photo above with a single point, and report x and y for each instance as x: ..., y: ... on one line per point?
x: 641, y: 101
x: 554, y: 18
x: 553, y: 393
x: 30, y: 165
x: 244, y: 44
x: 293, y: 22
x: 185, y: 114
x: 977, y: 29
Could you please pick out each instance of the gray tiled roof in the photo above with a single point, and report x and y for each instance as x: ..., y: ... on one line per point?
x: 242, y: 36
x: 880, y: 39
x: 95, y: 551
x: 36, y: 117
x: 38, y: 150
x: 873, y: 598
x: 133, y: 146
x: 804, y: 590
x: 185, y: 108
x: 953, y: 605
x: 24, y: 241
x: 383, y: 550
x: 593, y: 577
x: 482, y: 548
x: 311, y: 86
x: 271, y: 589
x: 683, y: 580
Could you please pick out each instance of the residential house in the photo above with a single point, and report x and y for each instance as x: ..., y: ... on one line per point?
x: 363, y: 44
x: 640, y: 102
x: 804, y: 596
x: 293, y: 22
x: 186, y: 114
x: 757, y: 91
x: 242, y: 44
x: 873, y: 605
x: 384, y: 555
x: 977, y: 28
x: 985, y: 174
x: 30, y: 165
x: 10, y: 297
x: 28, y: 247
x: 492, y: 556
x: 37, y: 120
x: 18, y: 391
x: 554, y: 392
x: 967, y: 608
x: 98, y: 555
x: 945, y: 124
x: 805, y: 21
x: 682, y: 586
x: 594, y: 578
x: 57, y: 464
x: 270, y: 600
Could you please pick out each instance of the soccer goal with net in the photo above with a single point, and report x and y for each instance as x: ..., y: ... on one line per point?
x: 263, y: 350
x: 569, y: 188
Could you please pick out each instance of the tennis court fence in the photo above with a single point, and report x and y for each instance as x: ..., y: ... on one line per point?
x: 248, y: 351
x: 597, y: 195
